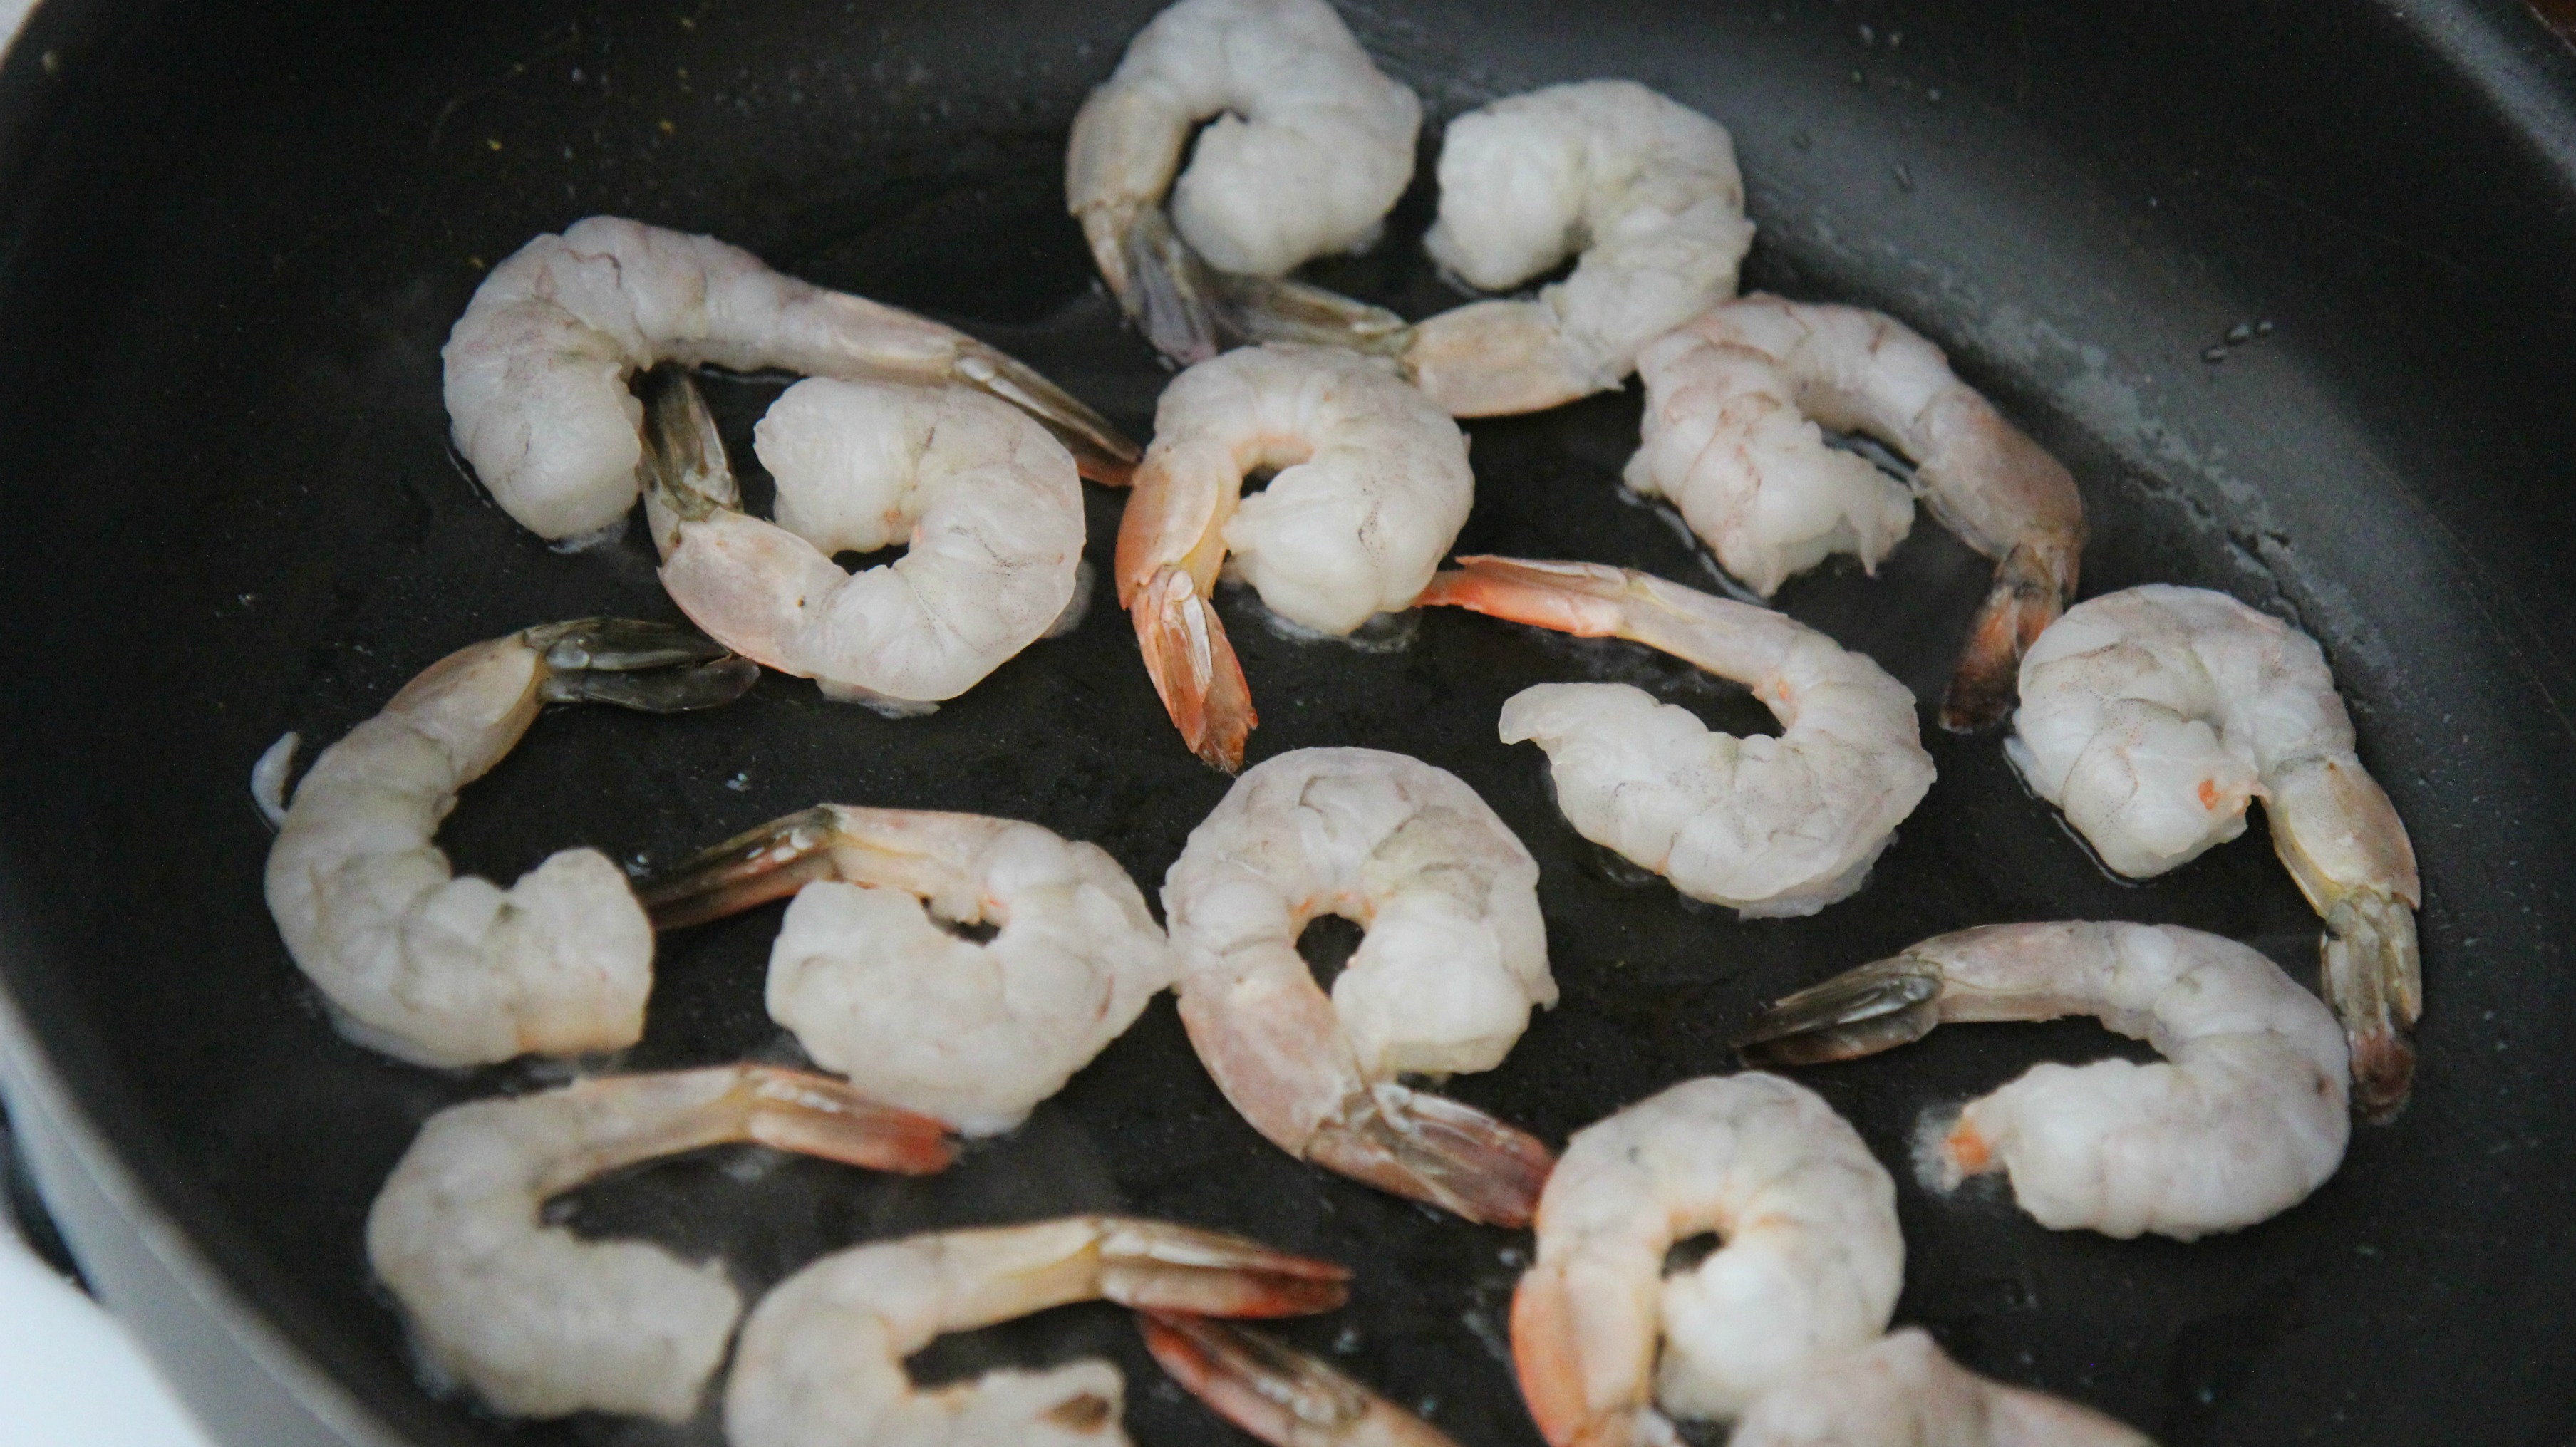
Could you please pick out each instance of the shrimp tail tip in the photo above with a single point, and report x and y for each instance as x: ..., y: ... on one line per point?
x: 1169, y: 292
x: 817, y: 1115
x: 752, y: 868
x: 1876, y: 1007
x: 1431, y: 1149
x: 1192, y: 664
x: 648, y: 667
x: 2028, y: 594
x: 1159, y: 1266
x: 2373, y: 977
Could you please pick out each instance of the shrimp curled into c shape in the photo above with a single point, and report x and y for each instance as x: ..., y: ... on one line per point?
x: 1809, y: 1263
x: 822, y: 1357
x: 1454, y: 957
x: 1373, y: 486
x: 1770, y: 826
x: 439, y: 970
x: 2244, y: 1117
x: 1902, y: 1391
x: 540, y: 1322
x: 1310, y: 147
x: 2153, y: 716
x: 873, y: 987
x: 1728, y: 438
x: 536, y: 368
x: 987, y: 503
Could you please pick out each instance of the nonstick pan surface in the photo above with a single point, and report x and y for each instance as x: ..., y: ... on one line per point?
x: 236, y: 236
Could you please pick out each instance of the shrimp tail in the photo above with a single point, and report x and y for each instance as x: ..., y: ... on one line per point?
x: 649, y: 667
x: 1159, y: 1266
x: 2032, y: 587
x: 1190, y: 311
x: 1428, y: 1148
x: 2374, y: 978
x: 1100, y: 451
x: 752, y: 868
x: 1876, y: 1007
x: 1194, y: 669
x: 1283, y: 1397
x: 816, y: 1115
x: 1170, y: 291
x: 1584, y: 599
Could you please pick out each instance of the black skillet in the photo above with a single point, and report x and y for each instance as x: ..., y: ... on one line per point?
x: 2291, y: 286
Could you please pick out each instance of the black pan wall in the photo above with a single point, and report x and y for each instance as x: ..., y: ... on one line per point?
x: 235, y: 238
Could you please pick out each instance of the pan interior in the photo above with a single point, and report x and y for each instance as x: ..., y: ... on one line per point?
x: 234, y: 512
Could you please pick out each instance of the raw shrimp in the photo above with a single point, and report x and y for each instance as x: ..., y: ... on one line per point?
x: 2245, y: 1116
x: 822, y: 1358
x: 537, y: 366
x: 438, y: 970
x: 985, y: 501
x: 1283, y: 1397
x: 1372, y: 488
x: 875, y: 988
x: 1902, y: 1391
x: 1310, y: 147
x: 1729, y: 439
x: 2152, y: 716
x: 1454, y: 957
x: 540, y: 1322
x: 1770, y: 826
x: 1809, y: 1264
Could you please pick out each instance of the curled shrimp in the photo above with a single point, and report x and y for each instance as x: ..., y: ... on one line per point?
x: 1284, y: 1397
x: 1732, y: 406
x: 1809, y: 1263
x: 1454, y: 957
x: 2241, y: 1120
x: 1372, y: 488
x: 2153, y: 716
x: 541, y: 1322
x: 439, y: 970
x: 1903, y: 1391
x: 822, y: 1358
x: 974, y: 1033
x: 1769, y: 826
x: 1309, y: 149
x: 985, y: 501
x: 536, y: 369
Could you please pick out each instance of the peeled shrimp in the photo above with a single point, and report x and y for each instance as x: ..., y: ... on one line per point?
x: 1284, y: 1397
x: 985, y: 501
x: 1808, y: 1266
x: 822, y: 1358
x: 2153, y: 716
x: 1372, y: 488
x: 873, y: 987
x: 2245, y: 1116
x: 537, y: 366
x: 1309, y: 149
x: 1454, y: 958
x: 1732, y: 406
x: 1770, y: 826
x: 1902, y: 1391
x: 445, y: 971
x: 541, y: 1322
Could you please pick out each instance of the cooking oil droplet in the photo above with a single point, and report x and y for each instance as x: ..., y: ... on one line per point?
x: 2214, y: 355
x: 2239, y: 334
x: 1904, y: 177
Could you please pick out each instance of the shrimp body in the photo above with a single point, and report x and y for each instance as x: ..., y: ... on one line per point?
x: 540, y: 1322
x: 873, y: 986
x: 822, y: 1358
x: 536, y: 368
x: 986, y: 503
x: 1372, y: 487
x: 440, y: 970
x: 2153, y: 716
x: 1454, y: 957
x: 1809, y: 1263
x: 1644, y: 188
x: 1903, y: 1391
x: 1309, y: 148
x: 1733, y: 403
x: 1770, y: 826
x: 2242, y: 1119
